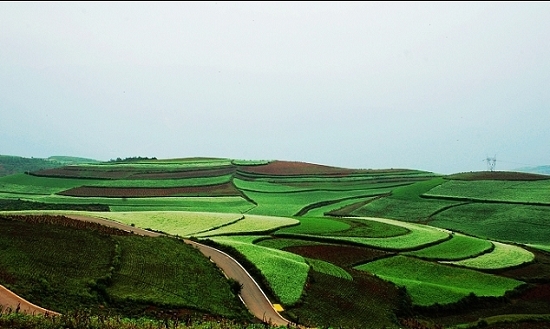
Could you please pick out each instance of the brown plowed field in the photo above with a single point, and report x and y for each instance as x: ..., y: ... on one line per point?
x: 297, y: 168
x: 225, y: 189
x: 343, y: 256
x: 183, y: 174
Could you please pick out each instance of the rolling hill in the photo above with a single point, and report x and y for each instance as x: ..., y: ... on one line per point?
x: 394, y: 248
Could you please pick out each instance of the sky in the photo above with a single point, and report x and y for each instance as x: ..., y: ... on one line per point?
x: 436, y: 86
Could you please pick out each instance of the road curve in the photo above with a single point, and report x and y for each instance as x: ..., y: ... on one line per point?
x: 13, y: 303
x: 251, y: 294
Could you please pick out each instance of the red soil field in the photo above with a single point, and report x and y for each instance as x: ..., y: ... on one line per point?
x: 343, y: 256
x: 225, y: 189
x: 131, y: 173
x: 183, y: 174
x: 300, y: 168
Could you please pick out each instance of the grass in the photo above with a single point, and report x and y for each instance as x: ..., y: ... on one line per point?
x: 165, y: 271
x: 289, y: 204
x: 64, y: 268
x: 250, y: 224
x: 458, y: 247
x: 345, y: 227
x: 537, y: 191
x: 179, y: 223
x: 328, y: 268
x: 28, y: 184
x: 417, y: 236
x: 502, y: 256
x: 53, y: 266
x: 429, y: 283
x: 285, y: 272
x: 503, y: 222
x: 82, y: 319
x: 225, y: 204
x: 149, y: 183
x: 321, y: 211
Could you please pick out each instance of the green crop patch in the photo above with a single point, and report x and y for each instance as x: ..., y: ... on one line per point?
x: 345, y: 227
x: 201, y: 204
x: 28, y: 184
x: 428, y: 283
x: 502, y: 256
x: 458, y: 247
x: 338, y: 208
x: 536, y: 191
x: 250, y: 224
x: 289, y: 204
x: 54, y: 266
x: 406, y: 203
x: 285, y: 272
x: 159, y: 183
x: 328, y: 268
x: 166, y: 271
x: 417, y: 236
x: 223, y: 189
x: 503, y: 222
x: 179, y: 223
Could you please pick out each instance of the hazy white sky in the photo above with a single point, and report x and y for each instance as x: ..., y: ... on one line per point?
x: 431, y: 86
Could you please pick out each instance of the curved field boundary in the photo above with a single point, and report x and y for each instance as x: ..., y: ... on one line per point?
x: 251, y: 224
x: 420, y: 236
x: 289, y: 283
x: 502, y: 256
x: 251, y: 294
x: 481, y: 200
x: 431, y: 282
x: 224, y: 189
x: 459, y: 247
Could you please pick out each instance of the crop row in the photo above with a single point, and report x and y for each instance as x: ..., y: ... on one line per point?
x: 502, y: 256
x: 416, y: 237
x: 428, y: 283
x: 512, y: 191
x: 286, y: 272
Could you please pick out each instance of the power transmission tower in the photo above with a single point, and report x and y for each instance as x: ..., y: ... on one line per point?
x: 491, y: 163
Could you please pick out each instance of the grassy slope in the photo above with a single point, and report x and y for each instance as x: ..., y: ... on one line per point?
x: 63, y: 268
x: 430, y: 283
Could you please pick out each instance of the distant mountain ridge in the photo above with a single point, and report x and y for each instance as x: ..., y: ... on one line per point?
x: 10, y: 164
x: 544, y: 170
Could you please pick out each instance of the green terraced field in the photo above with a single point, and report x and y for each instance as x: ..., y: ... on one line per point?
x: 429, y: 283
x: 250, y: 224
x: 502, y: 256
x: 345, y: 227
x: 180, y: 223
x: 289, y: 204
x: 145, y: 183
x: 328, y: 268
x: 268, y: 201
x: 170, y: 272
x: 458, y: 247
x: 500, y: 190
x: 28, y: 184
x: 416, y: 237
x: 286, y: 272
x: 503, y: 222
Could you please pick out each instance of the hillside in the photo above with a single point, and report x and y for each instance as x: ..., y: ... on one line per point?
x: 394, y: 248
x: 14, y: 164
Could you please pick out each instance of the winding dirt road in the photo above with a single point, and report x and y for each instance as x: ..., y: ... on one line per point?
x: 251, y: 294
